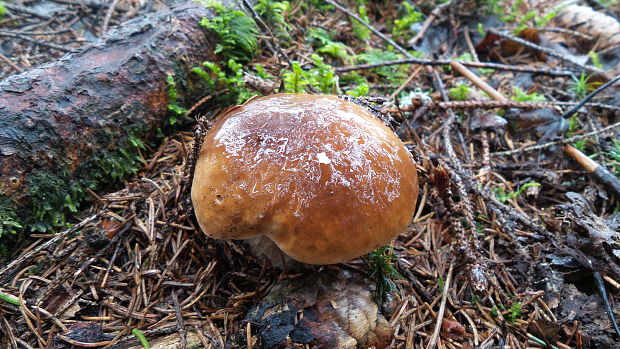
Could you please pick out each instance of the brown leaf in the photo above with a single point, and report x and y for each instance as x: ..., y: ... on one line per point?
x: 604, y: 29
x: 452, y: 329
x: 511, y: 48
x: 545, y: 329
x: 486, y: 121
x: 339, y: 311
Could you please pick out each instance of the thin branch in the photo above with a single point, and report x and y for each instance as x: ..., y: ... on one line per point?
x: 265, y: 27
x: 496, y: 104
x: 610, y: 313
x: 572, y: 110
x: 558, y: 142
x: 372, y: 29
x: 108, y: 16
x: 442, y: 308
x: 38, y: 42
x: 433, y: 62
x: 545, y: 50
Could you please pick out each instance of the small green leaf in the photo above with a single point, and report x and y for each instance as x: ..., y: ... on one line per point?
x: 145, y: 343
x: 9, y: 299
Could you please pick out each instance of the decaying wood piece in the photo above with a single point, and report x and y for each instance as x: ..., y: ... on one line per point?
x: 326, y: 309
x: 599, y: 247
x: 62, y: 124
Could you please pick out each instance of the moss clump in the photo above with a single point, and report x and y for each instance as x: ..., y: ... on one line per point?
x: 236, y: 32
x: 55, y: 193
x: 52, y: 197
x: 9, y: 221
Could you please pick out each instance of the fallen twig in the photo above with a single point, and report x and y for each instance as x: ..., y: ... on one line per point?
x: 610, y: 313
x: 560, y: 141
x: 599, y: 172
x: 587, y: 98
x: 108, y: 16
x: 495, y: 104
x: 486, y: 65
x: 372, y: 29
x: 545, y: 50
x: 442, y: 308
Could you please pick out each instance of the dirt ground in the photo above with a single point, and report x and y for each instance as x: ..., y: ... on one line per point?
x: 513, y: 239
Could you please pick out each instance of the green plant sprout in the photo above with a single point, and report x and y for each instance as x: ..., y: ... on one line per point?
x: 402, y: 25
x: 296, y: 80
x: 173, y: 106
x: 513, y: 313
x: 580, y: 145
x: 542, y: 22
x: 614, y: 154
x: 392, y: 74
x: 582, y: 86
x: 236, y: 32
x: 9, y: 221
x: 262, y: 73
x: 596, y: 60
x: 441, y: 283
x: 324, y: 43
x: 9, y: 299
x: 502, y: 196
x: 493, y: 6
x: 231, y: 79
x: 359, y: 91
x: 522, y: 96
x: 145, y: 343
x: 460, y: 92
x: 322, y: 77
x: 382, y: 271
x: 521, y: 18
x: 275, y: 14
x: 360, y: 30
x: 481, y: 31
x: 515, y: 12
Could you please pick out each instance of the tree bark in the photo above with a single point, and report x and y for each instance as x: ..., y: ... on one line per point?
x: 61, y: 124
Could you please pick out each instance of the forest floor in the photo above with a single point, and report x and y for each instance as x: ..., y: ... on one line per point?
x: 514, y: 243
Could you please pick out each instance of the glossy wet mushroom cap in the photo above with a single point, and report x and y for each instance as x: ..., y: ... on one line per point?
x: 320, y: 176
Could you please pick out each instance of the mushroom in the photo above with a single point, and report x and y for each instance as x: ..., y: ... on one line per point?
x: 320, y: 176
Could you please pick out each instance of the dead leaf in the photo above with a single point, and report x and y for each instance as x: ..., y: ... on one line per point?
x: 545, y: 330
x: 486, y: 121
x: 452, y: 329
x: 338, y: 309
x: 603, y: 29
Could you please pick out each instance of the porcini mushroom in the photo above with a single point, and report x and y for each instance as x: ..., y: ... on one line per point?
x: 320, y: 176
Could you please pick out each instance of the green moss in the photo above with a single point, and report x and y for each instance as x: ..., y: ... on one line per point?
x: 274, y: 14
x: 55, y: 193
x: 460, y: 92
x: 391, y: 74
x: 176, y: 110
x: 52, y: 197
x: 9, y: 221
x: 402, y: 25
x: 236, y: 32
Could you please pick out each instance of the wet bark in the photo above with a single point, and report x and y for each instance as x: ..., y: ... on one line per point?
x: 59, y: 122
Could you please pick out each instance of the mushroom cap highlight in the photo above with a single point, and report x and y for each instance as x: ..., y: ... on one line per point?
x: 320, y: 176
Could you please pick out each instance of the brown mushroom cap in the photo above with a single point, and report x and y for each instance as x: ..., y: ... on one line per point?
x: 320, y: 176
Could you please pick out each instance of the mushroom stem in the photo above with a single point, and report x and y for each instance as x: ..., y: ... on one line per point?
x: 265, y: 249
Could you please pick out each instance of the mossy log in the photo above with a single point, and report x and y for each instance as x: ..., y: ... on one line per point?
x: 77, y: 123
